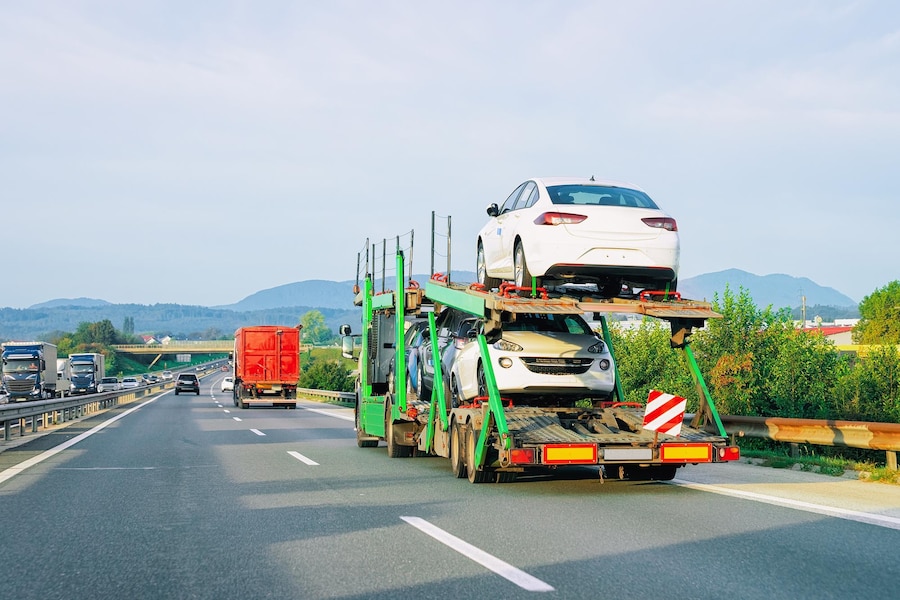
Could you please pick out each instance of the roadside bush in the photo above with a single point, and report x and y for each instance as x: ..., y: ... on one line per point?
x: 327, y: 375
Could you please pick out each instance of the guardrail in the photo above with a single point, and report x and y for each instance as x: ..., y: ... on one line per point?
x: 45, y: 413
x: 345, y: 396
x: 819, y: 432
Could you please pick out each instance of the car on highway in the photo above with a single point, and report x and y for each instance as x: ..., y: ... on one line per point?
x: 455, y: 329
x: 187, y: 382
x: 227, y: 384
x: 546, y: 358
x: 130, y: 382
x: 558, y: 230
x: 109, y: 384
x: 167, y: 375
x: 416, y: 333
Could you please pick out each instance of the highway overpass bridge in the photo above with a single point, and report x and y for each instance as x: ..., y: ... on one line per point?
x: 178, y: 347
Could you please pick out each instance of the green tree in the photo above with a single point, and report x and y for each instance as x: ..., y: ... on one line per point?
x: 315, y: 331
x: 879, y: 316
x: 646, y: 361
x: 327, y: 375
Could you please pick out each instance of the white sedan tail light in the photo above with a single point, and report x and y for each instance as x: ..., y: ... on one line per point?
x: 558, y: 218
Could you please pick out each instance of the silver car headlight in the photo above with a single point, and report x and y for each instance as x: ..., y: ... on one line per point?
x: 597, y: 348
x: 507, y: 346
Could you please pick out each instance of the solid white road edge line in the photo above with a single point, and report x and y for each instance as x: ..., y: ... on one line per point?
x: 13, y: 471
x: 488, y: 561
x: 840, y: 513
x: 257, y: 432
x: 330, y: 413
x: 303, y: 459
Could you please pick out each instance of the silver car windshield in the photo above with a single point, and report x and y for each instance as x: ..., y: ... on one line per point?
x: 549, y: 322
x: 598, y: 195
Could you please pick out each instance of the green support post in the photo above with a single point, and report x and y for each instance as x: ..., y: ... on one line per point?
x: 399, y: 338
x: 438, y: 402
x: 704, y: 391
x: 495, y: 407
x: 604, y: 327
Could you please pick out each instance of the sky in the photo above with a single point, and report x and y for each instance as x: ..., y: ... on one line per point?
x: 198, y: 152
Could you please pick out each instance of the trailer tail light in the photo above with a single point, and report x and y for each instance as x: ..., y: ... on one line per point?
x: 686, y: 453
x: 666, y: 223
x: 521, y: 456
x: 558, y: 218
x: 729, y: 453
x: 412, y: 412
x: 570, y: 454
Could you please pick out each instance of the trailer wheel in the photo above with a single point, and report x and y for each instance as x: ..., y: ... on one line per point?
x: 394, y: 449
x: 475, y: 476
x: 457, y: 452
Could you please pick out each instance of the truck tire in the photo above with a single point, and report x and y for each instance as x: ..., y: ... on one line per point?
x: 475, y: 476
x: 394, y: 449
x: 457, y: 452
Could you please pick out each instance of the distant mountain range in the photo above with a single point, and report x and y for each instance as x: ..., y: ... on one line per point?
x: 777, y: 290
x: 285, y: 304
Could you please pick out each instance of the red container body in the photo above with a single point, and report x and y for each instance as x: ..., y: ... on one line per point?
x: 267, y: 355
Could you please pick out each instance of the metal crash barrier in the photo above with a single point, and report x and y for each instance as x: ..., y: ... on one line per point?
x: 41, y: 414
x: 820, y: 432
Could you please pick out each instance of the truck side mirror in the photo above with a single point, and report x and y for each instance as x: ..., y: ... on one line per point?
x: 347, y: 344
x: 344, y: 330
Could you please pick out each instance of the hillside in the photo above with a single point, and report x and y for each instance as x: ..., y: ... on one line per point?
x: 777, y: 290
x: 178, y: 320
x: 284, y: 305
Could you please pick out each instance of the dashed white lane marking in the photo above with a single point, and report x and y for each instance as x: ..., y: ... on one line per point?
x: 303, y: 459
x: 330, y: 413
x: 488, y: 561
x: 257, y: 432
x: 228, y: 411
x: 236, y: 418
x: 840, y: 513
x: 13, y: 471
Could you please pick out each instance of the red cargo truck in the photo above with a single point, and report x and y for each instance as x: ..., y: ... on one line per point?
x: 266, y: 365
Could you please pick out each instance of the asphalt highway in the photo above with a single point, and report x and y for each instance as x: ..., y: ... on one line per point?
x: 190, y: 497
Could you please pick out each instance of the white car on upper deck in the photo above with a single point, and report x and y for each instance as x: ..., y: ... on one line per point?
x: 573, y: 230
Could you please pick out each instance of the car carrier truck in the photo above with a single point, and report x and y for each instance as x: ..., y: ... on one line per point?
x: 29, y: 370
x: 87, y: 369
x: 266, y: 365
x: 492, y: 439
